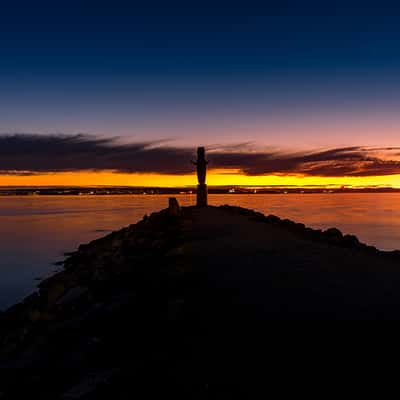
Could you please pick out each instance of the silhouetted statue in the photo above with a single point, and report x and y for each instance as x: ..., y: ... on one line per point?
x: 201, y: 164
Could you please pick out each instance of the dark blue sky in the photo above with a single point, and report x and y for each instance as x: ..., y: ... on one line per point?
x: 220, y: 71
x: 106, y: 38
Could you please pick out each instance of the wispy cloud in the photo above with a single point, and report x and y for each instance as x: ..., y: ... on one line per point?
x: 30, y: 154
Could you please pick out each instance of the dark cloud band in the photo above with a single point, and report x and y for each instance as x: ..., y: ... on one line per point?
x: 24, y: 154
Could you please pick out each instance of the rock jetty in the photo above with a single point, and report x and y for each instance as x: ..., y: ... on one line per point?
x: 174, y: 305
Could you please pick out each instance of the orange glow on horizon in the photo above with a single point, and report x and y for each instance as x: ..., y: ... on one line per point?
x: 214, y: 178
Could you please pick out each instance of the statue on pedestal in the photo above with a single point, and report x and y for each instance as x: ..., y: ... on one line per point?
x: 201, y: 164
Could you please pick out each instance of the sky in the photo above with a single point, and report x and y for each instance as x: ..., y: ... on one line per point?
x: 106, y: 93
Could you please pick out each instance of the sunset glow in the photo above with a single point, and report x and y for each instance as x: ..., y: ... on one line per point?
x: 215, y: 178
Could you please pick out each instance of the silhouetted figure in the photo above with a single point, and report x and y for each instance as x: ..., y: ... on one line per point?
x: 173, y: 207
x: 201, y: 164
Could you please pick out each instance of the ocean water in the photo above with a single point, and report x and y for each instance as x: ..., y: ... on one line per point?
x: 35, y: 231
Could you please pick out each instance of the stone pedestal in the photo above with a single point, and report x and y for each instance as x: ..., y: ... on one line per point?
x: 202, y: 195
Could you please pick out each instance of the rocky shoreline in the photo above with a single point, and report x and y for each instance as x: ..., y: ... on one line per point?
x: 131, y: 305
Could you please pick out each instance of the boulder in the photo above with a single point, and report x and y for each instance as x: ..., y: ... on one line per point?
x: 272, y: 219
x: 333, y: 234
x: 72, y: 295
x: 350, y: 241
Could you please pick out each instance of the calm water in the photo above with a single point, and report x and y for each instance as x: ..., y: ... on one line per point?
x: 36, y: 231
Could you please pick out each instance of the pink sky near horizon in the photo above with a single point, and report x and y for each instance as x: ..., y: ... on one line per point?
x: 302, y: 132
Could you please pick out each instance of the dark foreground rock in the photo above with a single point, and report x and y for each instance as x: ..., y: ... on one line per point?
x: 191, y: 304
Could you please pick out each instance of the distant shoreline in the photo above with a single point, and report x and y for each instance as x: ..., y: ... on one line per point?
x: 109, y: 191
